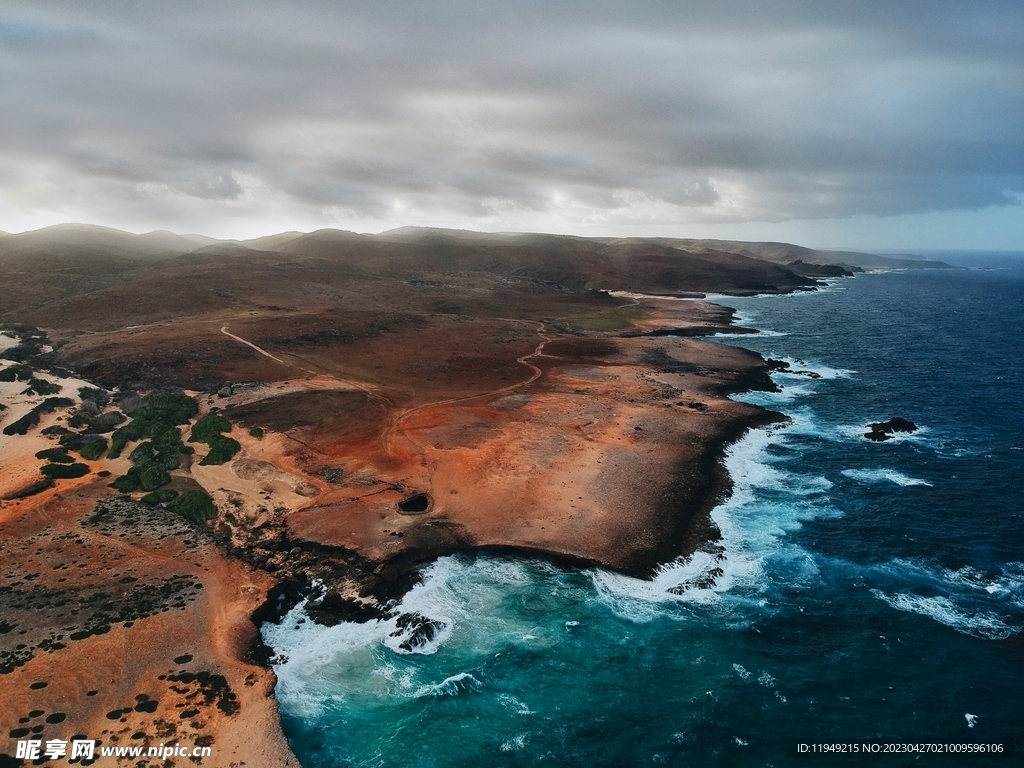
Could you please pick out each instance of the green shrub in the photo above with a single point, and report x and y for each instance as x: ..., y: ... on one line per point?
x: 31, y: 419
x: 221, y: 450
x: 105, y: 422
x: 65, y: 470
x: 127, y: 482
x: 257, y: 432
x: 167, y: 446
x: 84, y: 443
x: 132, y: 431
x: 153, y: 476
x: 18, y: 372
x: 118, y: 441
x: 56, y: 455
x: 141, y: 452
x: 78, y: 420
x: 93, y: 449
x: 194, y: 505
x: 167, y: 407
x: 41, y: 387
x: 156, y: 417
x: 24, y: 424
x: 99, y: 396
x: 158, y: 497
x: 209, y: 428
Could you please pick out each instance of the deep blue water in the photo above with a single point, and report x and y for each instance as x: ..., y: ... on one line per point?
x: 871, y: 590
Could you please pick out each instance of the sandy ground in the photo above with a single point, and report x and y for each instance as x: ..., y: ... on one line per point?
x: 20, y: 466
x: 64, y: 573
x: 64, y: 577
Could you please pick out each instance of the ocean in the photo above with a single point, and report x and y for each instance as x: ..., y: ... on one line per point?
x: 869, y: 591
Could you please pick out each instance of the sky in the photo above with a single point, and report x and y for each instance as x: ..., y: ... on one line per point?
x: 895, y: 125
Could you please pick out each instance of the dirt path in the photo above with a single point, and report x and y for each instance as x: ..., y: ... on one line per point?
x: 224, y: 330
x: 397, y: 419
x: 394, y: 420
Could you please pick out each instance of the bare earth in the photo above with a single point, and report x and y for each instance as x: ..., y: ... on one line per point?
x: 403, y: 418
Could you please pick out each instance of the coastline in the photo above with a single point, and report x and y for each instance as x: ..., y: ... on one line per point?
x: 657, y: 370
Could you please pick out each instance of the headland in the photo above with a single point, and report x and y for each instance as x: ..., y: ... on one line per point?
x: 196, y: 436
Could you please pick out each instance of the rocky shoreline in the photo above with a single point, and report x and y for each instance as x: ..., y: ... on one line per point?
x: 637, y: 424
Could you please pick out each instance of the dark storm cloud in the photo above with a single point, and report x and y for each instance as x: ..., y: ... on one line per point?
x: 558, y: 115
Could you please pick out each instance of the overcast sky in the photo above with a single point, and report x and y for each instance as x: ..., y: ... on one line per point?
x: 858, y: 124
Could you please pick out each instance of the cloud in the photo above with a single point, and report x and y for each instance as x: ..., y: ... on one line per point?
x: 503, y: 115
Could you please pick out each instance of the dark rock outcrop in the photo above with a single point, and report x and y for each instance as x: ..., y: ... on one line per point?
x: 883, y: 430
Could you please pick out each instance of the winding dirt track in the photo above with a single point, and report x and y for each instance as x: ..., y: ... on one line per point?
x: 394, y: 420
x: 224, y: 330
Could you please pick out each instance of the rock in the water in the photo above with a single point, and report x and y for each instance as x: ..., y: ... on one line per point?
x: 419, y: 631
x: 334, y: 609
x: 883, y: 430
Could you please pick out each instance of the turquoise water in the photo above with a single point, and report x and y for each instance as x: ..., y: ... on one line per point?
x: 870, y: 591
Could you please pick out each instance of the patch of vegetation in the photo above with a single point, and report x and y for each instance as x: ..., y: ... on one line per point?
x: 64, y: 470
x: 93, y: 449
x: 30, y: 490
x: 153, y: 476
x: 221, y: 450
x: 256, y: 432
x: 56, y: 455
x: 209, y: 429
x: 167, y: 407
x: 41, y: 387
x: 194, y: 505
x: 94, y: 445
x: 158, y: 497
x: 150, y: 462
x: 99, y: 396
x: 23, y: 351
x: 31, y: 419
x: 156, y: 417
x: 117, y: 443
x: 78, y: 420
x: 19, y: 372
x: 105, y: 422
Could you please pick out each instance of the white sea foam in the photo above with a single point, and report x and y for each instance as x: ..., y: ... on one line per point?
x: 882, y: 476
x: 856, y: 432
x: 450, y: 686
x: 514, y: 744
x: 320, y: 667
x: 821, y: 370
x: 1008, y: 583
x: 514, y: 705
x: 976, y: 622
x: 983, y: 604
x: 748, y: 335
x: 753, y: 543
x: 772, y: 400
